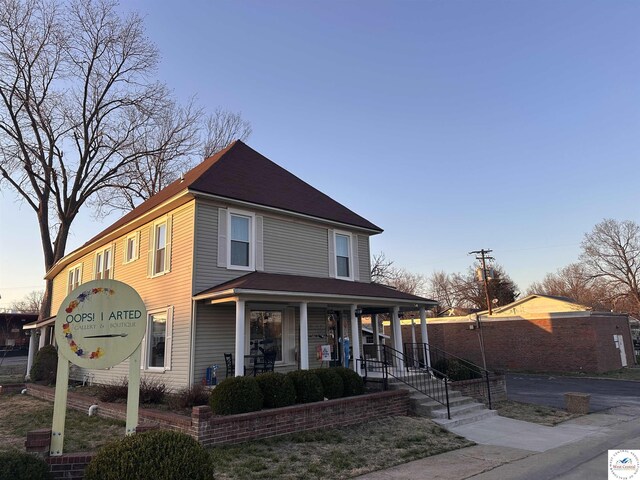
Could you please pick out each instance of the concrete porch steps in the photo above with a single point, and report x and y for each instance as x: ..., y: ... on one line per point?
x: 464, y: 410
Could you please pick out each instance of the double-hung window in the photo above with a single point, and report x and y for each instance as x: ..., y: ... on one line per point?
x: 160, y: 247
x: 343, y: 256
x: 241, y: 244
x: 75, y: 278
x: 103, y: 264
x: 131, y: 250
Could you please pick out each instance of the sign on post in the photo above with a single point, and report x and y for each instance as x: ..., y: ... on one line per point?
x: 99, y: 325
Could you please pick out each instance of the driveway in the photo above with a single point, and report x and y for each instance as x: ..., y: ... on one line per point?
x: 550, y: 390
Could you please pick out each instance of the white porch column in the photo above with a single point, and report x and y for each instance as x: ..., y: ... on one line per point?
x: 355, y: 339
x: 397, y: 334
x: 413, y: 331
x: 32, y: 353
x: 425, y: 335
x: 304, y: 337
x: 239, y: 338
x: 43, y: 337
x: 376, y: 333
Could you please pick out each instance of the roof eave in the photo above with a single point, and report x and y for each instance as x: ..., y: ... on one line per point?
x: 234, y: 292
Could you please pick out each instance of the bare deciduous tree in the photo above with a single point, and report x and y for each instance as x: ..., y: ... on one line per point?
x: 611, y: 253
x: 31, y: 303
x: 381, y: 268
x: 221, y: 128
x: 465, y: 291
x: 576, y: 283
x: 75, y: 98
x: 383, y: 271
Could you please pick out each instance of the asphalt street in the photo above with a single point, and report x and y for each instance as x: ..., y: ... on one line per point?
x: 549, y: 390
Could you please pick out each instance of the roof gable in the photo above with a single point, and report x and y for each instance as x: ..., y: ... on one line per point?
x: 540, y: 304
x: 246, y: 175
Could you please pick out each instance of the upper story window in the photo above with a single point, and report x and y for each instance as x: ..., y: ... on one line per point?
x: 241, y: 243
x: 343, y: 255
x: 131, y: 247
x: 160, y: 247
x: 103, y: 264
x: 75, y: 278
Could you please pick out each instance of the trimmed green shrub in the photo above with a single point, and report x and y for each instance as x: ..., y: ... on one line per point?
x: 332, y: 383
x: 23, y: 466
x: 155, y: 455
x: 236, y: 395
x: 308, y: 386
x: 277, y: 389
x: 353, y: 383
x: 45, y: 366
x: 456, y: 370
x: 189, y: 397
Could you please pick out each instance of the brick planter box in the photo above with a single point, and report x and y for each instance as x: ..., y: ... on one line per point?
x: 211, y: 429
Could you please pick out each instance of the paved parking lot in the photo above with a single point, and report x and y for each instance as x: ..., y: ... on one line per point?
x: 550, y: 390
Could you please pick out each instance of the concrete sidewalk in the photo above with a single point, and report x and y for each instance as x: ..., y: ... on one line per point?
x: 511, y: 449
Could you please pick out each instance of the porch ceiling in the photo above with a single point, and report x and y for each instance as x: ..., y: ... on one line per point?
x: 260, y: 285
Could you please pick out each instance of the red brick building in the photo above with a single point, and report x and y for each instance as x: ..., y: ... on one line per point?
x: 538, y: 334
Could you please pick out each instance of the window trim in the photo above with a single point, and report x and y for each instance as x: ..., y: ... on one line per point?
x: 168, y: 339
x: 166, y: 220
x: 252, y: 239
x: 79, y: 267
x: 337, y: 233
x: 102, y: 253
x: 286, y: 321
x: 136, y: 254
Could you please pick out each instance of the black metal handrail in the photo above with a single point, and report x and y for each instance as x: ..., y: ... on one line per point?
x: 457, y: 368
x: 393, y: 363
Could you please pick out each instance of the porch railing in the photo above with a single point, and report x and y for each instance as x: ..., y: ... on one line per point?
x: 456, y: 368
x: 382, y: 362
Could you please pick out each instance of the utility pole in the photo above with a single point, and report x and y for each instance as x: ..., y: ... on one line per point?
x: 483, y: 258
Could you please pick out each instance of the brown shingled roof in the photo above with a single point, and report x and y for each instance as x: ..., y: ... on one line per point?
x: 240, y: 173
x: 317, y: 285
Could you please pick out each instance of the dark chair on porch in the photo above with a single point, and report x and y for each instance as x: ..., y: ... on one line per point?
x: 268, y: 362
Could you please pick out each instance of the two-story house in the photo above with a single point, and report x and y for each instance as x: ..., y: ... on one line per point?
x: 238, y: 253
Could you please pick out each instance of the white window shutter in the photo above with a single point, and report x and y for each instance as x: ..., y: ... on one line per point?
x: 332, y: 253
x: 259, y: 247
x: 95, y: 261
x: 356, y: 258
x: 113, y: 260
x: 150, y: 253
x: 167, y: 250
x: 136, y: 252
x: 168, y: 339
x: 222, y: 237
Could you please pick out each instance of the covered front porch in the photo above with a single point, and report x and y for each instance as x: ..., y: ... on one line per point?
x: 296, y: 318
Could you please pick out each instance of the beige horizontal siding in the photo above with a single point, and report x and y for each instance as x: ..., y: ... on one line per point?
x: 172, y: 289
x: 295, y: 248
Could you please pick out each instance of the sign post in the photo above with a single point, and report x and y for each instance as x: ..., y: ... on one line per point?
x: 99, y: 325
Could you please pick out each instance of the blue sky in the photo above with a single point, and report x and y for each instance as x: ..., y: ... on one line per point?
x: 454, y: 126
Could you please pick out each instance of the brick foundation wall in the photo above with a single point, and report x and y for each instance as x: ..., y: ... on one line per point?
x: 69, y: 466
x: 569, y: 344
x: 476, y: 388
x: 218, y: 430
